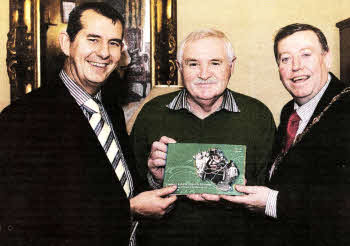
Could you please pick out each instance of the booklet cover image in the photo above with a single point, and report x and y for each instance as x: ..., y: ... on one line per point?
x: 205, y: 168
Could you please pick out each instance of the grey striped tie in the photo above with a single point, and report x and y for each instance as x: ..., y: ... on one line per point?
x: 107, y: 141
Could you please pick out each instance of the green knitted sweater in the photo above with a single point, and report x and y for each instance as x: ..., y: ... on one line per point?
x: 197, y: 223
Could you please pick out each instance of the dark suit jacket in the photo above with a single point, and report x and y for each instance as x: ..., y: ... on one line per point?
x: 57, y: 186
x: 313, y: 179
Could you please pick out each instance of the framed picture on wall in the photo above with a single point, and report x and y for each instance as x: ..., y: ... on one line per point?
x: 135, y: 66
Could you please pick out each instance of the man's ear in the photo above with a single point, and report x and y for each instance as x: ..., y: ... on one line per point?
x: 328, y: 60
x: 179, y: 67
x: 64, y: 41
x: 233, y: 64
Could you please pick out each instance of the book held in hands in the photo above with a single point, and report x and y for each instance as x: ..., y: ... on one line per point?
x: 205, y: 168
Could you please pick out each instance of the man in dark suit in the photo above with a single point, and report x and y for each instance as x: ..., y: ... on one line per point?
x: 66, y: 168
x: 307, y: 201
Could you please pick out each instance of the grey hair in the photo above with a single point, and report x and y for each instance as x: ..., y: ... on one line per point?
x: 205, y: 33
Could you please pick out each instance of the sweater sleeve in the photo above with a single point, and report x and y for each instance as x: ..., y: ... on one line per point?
x: 140, y: 145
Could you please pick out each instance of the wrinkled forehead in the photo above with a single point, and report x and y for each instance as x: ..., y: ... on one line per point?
x: 205, y: 48
x: 298, y: 41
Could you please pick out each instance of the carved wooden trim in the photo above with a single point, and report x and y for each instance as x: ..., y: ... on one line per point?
x: 343, y: 24
x: 21, y: 48
x: 164, y: 41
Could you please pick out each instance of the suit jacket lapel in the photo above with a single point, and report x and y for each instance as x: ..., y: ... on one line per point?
x: 69, y: 111
x: 334, y: 88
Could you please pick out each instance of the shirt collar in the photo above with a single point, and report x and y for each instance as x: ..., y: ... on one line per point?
x: 306, y: 110
x: 180, y: 102
x: 79, y: 94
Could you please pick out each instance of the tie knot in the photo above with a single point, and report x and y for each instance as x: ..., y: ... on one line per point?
x: 92, y: 105
x: 292, y: 128
x: 294, y: 117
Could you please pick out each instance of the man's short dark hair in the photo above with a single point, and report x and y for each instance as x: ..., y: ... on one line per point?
x: 74, y: 22
x: 297, y: 27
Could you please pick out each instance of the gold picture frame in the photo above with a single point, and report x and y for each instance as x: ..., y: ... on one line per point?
x: 26, y: 51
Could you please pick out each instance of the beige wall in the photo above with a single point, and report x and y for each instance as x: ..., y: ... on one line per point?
x: 251, y: 26
x: 4, y: 80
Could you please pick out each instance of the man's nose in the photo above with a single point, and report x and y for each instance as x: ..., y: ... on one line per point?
x: 205, y: 72
x: 297, y: 64
x: 103, y: 51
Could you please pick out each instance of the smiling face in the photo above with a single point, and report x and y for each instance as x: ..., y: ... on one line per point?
x: 205, y: 69
x: 303, y: 65
x: 95, y: 51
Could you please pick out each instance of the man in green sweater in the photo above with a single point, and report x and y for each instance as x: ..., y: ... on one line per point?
x: 205, y: 111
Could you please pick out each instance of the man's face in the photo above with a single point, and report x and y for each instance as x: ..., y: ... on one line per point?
x: 205, y: 69
x: 95, y: 52
x: 303, y: 65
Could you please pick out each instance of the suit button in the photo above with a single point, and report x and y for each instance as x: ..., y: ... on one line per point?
x: 10, y: 228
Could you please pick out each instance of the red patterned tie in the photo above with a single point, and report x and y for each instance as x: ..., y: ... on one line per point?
x: 292, y: 128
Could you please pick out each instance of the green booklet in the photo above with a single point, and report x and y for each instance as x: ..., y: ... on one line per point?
x: 205, y: 168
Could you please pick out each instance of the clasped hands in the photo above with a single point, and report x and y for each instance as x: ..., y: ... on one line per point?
x: 254, y: 198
